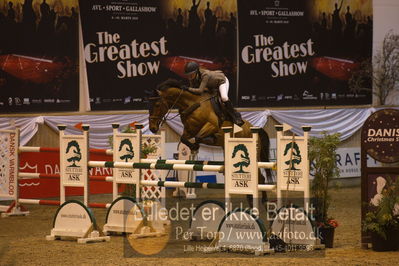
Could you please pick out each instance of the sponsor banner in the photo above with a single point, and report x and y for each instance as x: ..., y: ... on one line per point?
x: 8, y: 164
x: 380, y: 134
x: 348, y: 162
x: 380, y: 140
x: 302, y: 52
x: 241, y: 177
x: 123, y: 44
x: 131, y: 46
x: 39, y: 60
x: 293, y: 159
x: 127, y: 149
x: 74, y: 157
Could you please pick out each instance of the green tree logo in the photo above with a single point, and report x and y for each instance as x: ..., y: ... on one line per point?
x: 75, y: 154
x: 296, y: 155
x: 127, y: 147
x: 244, y: 158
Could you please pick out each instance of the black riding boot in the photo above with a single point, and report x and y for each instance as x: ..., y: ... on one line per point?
x: 235, y: 116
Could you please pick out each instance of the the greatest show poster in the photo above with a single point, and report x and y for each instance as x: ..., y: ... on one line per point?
x: 123, y: 45
x: 131, y: 46
x: 39, y: 68
x: 303, y: 52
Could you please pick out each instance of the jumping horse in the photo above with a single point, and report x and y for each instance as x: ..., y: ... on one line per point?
x: 200, y: 121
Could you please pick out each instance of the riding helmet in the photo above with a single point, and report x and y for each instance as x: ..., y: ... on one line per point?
x: 191, y: 67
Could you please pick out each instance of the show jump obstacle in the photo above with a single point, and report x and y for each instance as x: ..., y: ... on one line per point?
x: 74, y: 173
x: 241, y: 177
x: 10, y: 174
x: 241, y: 152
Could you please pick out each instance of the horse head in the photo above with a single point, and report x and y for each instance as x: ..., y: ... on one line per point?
x: 156, y: 110
x: 159, y: 105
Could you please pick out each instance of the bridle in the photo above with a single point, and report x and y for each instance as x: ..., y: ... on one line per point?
x: 165, y: 117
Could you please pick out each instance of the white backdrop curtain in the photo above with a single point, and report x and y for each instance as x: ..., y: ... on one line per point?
x: 100, y: 125
x: 345, y: 121
x: 27, y: 125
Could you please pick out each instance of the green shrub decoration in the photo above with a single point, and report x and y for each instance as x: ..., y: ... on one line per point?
x: 322, y: 155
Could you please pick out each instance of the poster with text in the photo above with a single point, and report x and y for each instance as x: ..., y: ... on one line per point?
x: 123, y: 45
x: 302, y: 53
x: 39, y: 67
x: 131, y: 46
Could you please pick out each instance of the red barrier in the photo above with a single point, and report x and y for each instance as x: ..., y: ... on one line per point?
x: 47, y: 164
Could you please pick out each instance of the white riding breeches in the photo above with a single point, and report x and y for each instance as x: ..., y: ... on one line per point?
x: 224, y: 91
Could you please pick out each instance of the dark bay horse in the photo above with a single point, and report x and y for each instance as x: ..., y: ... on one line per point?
x: 199, y: 120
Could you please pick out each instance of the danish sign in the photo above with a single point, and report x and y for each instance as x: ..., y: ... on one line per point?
x: 380, y: 134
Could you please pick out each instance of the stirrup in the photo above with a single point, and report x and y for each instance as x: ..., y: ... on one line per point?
x: 239, y: 122
x: 237, y: 119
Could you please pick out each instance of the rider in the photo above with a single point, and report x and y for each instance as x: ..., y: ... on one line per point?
x: 212, y: 80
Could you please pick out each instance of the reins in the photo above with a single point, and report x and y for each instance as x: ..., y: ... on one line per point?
x: 165, y: 117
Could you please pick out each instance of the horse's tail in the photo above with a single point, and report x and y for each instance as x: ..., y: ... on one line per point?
x: 264, y: 142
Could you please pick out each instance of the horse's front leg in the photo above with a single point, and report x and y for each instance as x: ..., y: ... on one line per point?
x: 207, y: 135
x: 185, y: 139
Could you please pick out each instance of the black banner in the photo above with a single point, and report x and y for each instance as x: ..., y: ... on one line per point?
x: 39, y: 69
x: 132, y: 46
x: 123, y: 43
x: 301, y: 53
x: 204, y: 32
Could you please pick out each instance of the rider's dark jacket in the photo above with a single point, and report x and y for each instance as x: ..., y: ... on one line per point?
x: 207, y: 79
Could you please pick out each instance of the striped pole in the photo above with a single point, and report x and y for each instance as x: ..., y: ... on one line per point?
x: 271, y: 165
x: 57, y: 176
x: 181, y: 184
x: 46, y: 149
x: 190, y: 167
x: 161, y: 164
x: 196, y: 185
x: 39, y: 202
x: 268, y: 165
x: 99, y: 205
x: 181, y: 162
x: 37, y: 149
x: 57, y: 203
x: 38, y: 175
x: 266, y: 187
x: 101, y: 151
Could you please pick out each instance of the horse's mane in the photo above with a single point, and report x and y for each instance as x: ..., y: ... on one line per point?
x: 169, y: 83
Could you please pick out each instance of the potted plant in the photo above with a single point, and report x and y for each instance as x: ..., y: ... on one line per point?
x: 322, y: 155
x: 382, y: 221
